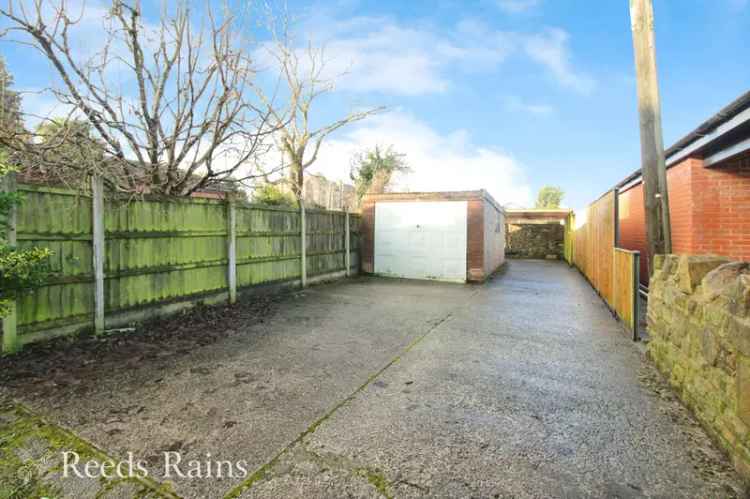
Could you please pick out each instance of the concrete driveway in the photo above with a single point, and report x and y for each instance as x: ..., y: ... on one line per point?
x: 522, y: 387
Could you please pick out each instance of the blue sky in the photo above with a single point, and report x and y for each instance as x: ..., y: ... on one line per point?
x: 508, y: 95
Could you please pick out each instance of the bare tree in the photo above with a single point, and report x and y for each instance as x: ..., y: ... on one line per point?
x: 170, y: 101
x: 302, y: 80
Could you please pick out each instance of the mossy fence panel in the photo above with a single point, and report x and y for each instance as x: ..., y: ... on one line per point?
x: 163, y: 250
x: 160, y: 252
x: 60, y: 220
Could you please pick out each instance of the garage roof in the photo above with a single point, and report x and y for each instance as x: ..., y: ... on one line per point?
x: 435, y: 196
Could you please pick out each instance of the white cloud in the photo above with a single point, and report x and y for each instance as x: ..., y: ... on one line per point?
x: 515, y: 103
x: 369, y: 54
x: 377, y: 54
x: 439, y: 162
x: 515, y: 6
x: 371, y: 63
x: 551, y: 49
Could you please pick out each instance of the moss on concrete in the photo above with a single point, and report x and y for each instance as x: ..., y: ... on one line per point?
x: 31, y: 460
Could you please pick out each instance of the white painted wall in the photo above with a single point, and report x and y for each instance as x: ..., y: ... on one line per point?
x: 421, y: 240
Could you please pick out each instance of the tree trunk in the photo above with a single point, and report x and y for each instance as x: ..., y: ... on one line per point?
x: 379, y: 182
x: 297, y: 179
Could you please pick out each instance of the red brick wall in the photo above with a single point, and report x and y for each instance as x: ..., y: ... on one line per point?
x: 632, y: 228
x: 709, y: 208
x: 475, y: 240
x: 367, y: 233
x: 681, y: 210
x: 632, y: 220
x: 721, y: 199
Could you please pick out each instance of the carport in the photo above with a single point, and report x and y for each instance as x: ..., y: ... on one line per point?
x: 446, y: 236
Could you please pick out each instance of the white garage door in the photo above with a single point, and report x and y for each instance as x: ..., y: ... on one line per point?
x: 421, y: 240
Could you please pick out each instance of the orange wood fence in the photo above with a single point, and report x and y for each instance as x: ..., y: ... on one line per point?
x: 594, y: 242
x: 625, y: 284
x: 608, y: 269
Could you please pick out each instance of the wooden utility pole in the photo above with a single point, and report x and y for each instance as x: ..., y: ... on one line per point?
x: 653, y: 168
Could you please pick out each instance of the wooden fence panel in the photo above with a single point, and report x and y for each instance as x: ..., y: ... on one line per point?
x: 60, y: 220
x: 580, y: 245
x: 594, y: 240
x: 161, y: 251
x: 603, y: 227
x: 625, y: 284
x: 325, y: 242
x: 268, y: 244
x: 608, y: 269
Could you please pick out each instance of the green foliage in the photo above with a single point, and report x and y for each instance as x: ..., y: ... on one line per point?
x: 372, y: 170
x: 10, y: 103
x: 549, y: 197
x: 20, y: 269
x: 271, y: 194
x: 7, y: 199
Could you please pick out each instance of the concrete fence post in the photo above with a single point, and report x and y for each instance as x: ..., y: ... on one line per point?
x: 11, y: 343
x: 303, y: 243
x: 347, y: 243
x: 232, y: 248
x: 97, y: 218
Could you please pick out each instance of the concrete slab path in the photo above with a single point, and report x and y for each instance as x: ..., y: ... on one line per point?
x: 522, y: 387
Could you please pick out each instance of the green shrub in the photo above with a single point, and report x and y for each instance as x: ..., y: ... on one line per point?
x: 20, y: 269
x: 271, y: 194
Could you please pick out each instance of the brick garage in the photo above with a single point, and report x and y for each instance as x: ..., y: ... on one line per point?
x: 483, y: 228
x: 708, y: 179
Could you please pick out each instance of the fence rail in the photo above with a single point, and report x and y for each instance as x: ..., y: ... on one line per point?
x: 158, y: 255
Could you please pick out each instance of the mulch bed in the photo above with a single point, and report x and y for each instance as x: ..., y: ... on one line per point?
x: 69, y: 360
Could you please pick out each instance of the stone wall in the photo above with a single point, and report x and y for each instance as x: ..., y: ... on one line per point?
x: 699, y: 324
x: 535, y: 240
